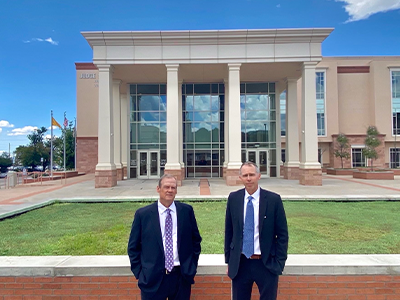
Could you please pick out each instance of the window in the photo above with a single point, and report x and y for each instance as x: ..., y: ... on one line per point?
x: 396, y: 101
x: 357, y: 158
x: 320, y: 97
x: 282, y: 101
x: 394, y: 158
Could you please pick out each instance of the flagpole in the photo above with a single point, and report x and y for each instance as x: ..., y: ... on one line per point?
x: 65, y: 129
x: 51, y: 146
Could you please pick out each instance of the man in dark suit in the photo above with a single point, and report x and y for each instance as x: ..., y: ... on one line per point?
x: 164, y: 246
x: 256, y: 237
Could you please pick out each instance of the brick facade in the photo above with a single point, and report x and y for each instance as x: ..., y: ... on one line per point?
x: 232, y: 177
x: 292, y: 173
x: 358, y: 140
x: 206, y: 287
x: 310, y: 177
x: 86, y: 154
x: 105, y: 178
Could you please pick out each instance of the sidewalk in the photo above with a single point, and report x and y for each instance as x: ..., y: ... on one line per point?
x: 339, y: 188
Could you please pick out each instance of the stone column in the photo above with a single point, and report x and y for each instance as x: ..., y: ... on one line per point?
x: 173, y: 165
x: 180, y: 130
x: 291, y: 166
x: 125, y: 140
x: 106, y: 173
x: 234, y: 126
x: 226, y: 126
x: 117, y: 128
x: 310, y: 168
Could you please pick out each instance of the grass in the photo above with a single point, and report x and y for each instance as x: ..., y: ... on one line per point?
x: 103, y: 228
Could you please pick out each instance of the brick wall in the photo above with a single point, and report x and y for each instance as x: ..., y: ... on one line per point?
x: 207, y: 287
x: 86, y: 154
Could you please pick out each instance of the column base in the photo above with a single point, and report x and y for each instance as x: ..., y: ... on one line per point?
x: 183, y: 173
x: 224, y: 172
x: 124, y: 172
x: 177, y: 173
x: 120, y: 174
x: 105, y: 178
x: 310, y: 177
x: 232, y: 177
x: 292, y: 173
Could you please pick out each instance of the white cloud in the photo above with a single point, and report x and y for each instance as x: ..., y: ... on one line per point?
x: 22, y: 131
x: 4, y: 123
x: 48, y: 40
x: 54, y: 127
x: 1, y: 129
x: 363, y: 9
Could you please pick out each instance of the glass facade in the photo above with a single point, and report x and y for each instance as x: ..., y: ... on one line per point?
x: 394, y: 158
x: 282, y: 101
x: 396, y: 101
x: 148, y: 129
x: 258, y: 123
x: 203, y: 129
x: 320, y: 95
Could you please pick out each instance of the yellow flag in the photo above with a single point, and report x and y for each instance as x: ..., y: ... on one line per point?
x: 55, y: 123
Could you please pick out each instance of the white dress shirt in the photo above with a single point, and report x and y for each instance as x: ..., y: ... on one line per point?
x: 256, y: 206
x: 162, y: 214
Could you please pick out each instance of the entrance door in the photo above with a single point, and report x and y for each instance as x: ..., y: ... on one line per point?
x: 149, y: 162
x: 259, y: 157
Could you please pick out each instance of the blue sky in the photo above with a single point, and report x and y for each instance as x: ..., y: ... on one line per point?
x: 41, y: 41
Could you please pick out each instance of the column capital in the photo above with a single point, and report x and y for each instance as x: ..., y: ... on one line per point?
x: 291, y: 79
x: 309, y: 64
x: 234, y: 67
x: 172, y: 67
x: 105, y: 68
x: 117, y: 81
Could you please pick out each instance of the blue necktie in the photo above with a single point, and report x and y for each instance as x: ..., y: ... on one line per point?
x: 248, y: 232
x: 169, y: 253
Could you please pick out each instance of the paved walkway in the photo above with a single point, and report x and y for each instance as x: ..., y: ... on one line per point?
x: 341, y: 188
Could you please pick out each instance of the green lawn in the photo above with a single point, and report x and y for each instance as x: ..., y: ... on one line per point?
x: 103, y: 228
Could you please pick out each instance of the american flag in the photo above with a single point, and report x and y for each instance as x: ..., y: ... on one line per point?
x: 65, y: 122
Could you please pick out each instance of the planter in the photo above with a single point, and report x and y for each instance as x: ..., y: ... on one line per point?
x: 377, y: 175
x: 332, y: 171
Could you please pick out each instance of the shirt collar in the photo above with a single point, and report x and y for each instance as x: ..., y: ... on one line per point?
x: 255, y: 195
x: 162, y: 208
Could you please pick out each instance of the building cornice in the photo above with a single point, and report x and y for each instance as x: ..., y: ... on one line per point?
x: 206, y: 37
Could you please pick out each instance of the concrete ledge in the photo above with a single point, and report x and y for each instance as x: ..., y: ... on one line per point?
x: 209, y: 264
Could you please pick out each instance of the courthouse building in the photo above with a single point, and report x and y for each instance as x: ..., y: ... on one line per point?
x: 199, y: 103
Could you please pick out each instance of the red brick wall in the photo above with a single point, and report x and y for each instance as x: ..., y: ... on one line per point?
x: 86, y: 154
x: 207, y: 287
x: 357, y: 140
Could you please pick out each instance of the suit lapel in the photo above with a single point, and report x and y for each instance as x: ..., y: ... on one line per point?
x: 262, y: 209
x: 180, y: 222
x: 155, y: 220
x: 241, y: 210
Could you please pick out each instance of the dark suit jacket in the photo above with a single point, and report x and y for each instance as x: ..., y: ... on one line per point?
x: 146, y: 251
x: 274, y: 236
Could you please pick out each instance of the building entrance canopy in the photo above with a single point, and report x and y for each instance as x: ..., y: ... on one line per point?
x: 229, y: 57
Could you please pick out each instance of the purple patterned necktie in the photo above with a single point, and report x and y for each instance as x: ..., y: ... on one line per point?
x: 169, y: 252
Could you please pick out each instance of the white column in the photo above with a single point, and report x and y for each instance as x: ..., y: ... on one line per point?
x: 173, y: 142
x: 292, y: 125
x: 234, y: 123
x: 106, y: 126
x: 117, y: 125
x: 125, y: 111
x: 309, y: 134
x: 180, y: 125
x: 226, y: 122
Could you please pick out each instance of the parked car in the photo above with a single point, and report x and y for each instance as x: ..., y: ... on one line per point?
x: 3, y: 175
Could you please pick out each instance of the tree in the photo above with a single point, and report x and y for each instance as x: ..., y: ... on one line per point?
x: 58, y: 145
x: 342, y: 146
x: 371, y: 143
x: 38, y: 149
x: 5, y: 162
